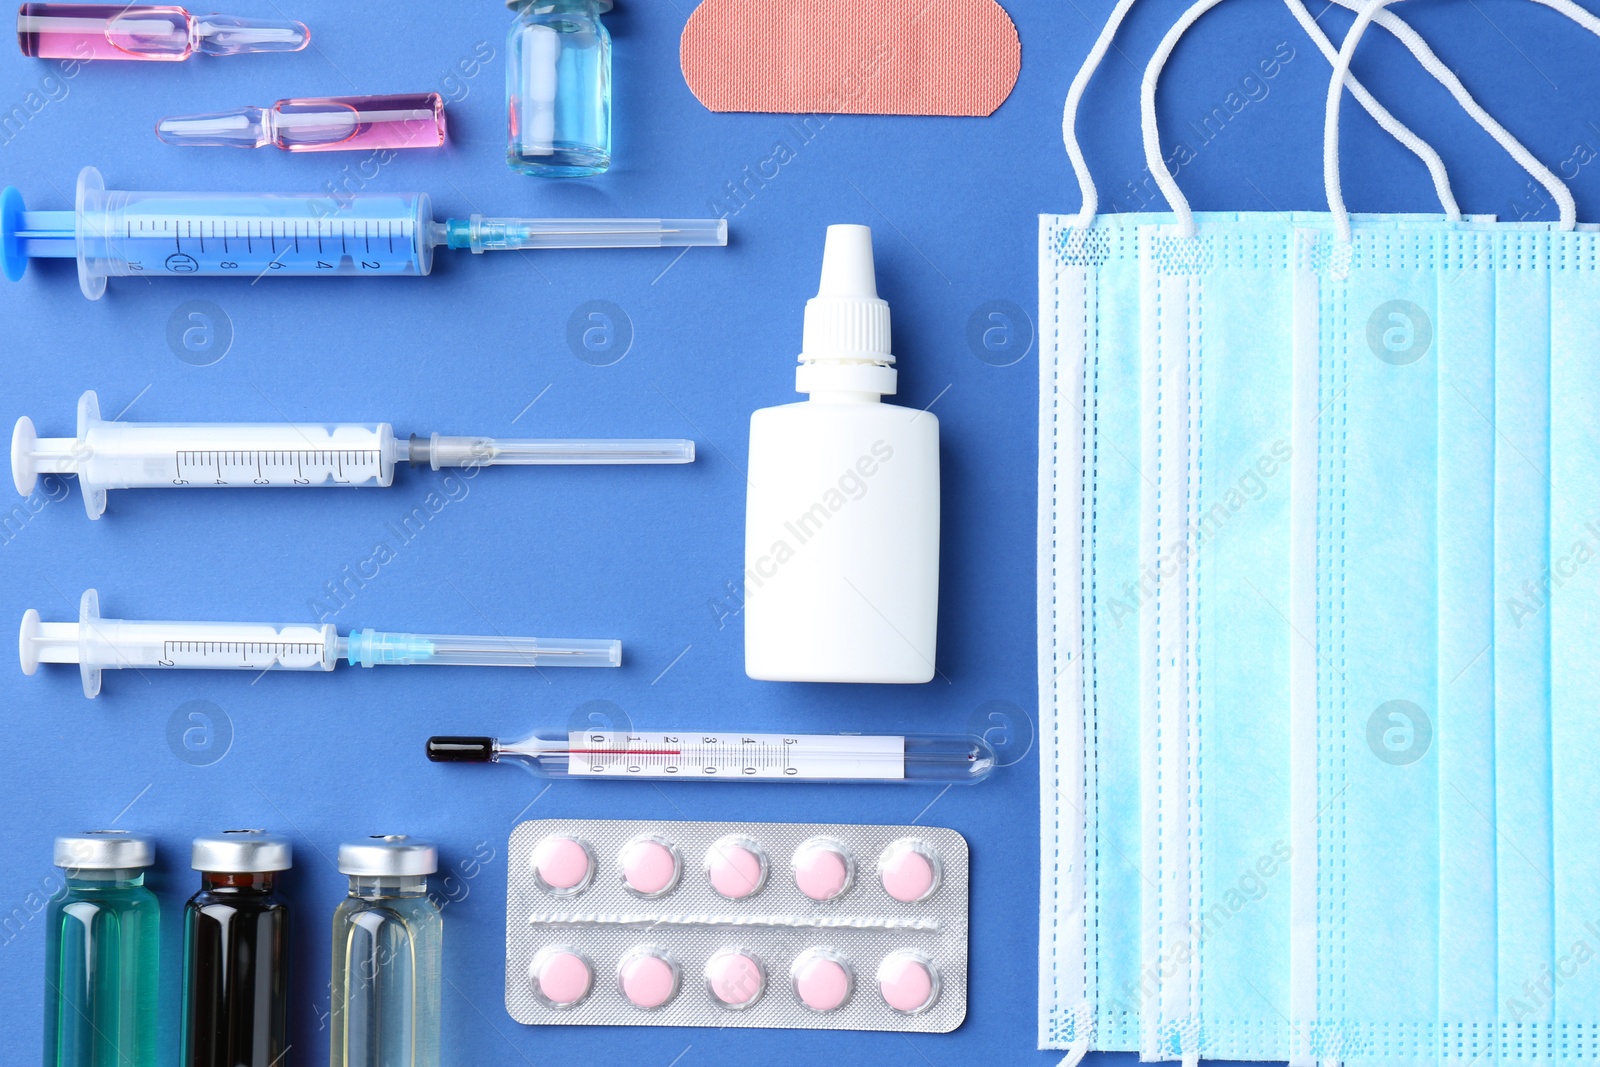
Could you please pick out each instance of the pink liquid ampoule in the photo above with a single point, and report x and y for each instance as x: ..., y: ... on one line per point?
x: 148, y: 32
x: 318, y: 124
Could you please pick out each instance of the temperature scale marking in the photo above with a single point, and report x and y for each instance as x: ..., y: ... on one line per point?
x: 734, y: 755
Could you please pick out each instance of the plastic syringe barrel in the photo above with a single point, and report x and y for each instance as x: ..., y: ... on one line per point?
x: 116, y: 233
x: 109, y: 454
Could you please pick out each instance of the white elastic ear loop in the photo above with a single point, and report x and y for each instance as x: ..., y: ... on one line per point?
x: 1147, y: 117
x: 1398, y: 130
x: 1069, y: 118
x: 1089, y: 194
x: 1330, y: 118
x: 1577, y: 14
x: 1557, y: 189
x: 1152, y: 142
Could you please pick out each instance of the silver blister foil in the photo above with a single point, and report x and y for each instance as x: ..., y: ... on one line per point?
x: 733, y: 960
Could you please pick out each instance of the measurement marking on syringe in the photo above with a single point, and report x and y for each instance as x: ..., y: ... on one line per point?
x: 328, y: 462
x: 170, y: 650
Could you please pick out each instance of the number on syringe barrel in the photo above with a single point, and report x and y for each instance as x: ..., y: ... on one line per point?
x: 280, y: 467
x: 292, y: 235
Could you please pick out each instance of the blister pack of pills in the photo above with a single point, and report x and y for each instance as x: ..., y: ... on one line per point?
x: 807, y: 925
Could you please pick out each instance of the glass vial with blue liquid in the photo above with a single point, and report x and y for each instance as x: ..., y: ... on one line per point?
x: 558, y: 88
x: 101, y: 954
x: 388, y: 947
x: 236, y: 953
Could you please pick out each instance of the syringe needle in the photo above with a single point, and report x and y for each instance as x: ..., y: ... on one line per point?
x: 439, y: 451
x: 482, y: 234
x: 370, y: 648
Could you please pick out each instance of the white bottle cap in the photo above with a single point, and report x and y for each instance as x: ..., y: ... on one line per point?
x: 847, y: 325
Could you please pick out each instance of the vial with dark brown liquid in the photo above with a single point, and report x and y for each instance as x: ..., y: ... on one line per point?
x: 236, y: 947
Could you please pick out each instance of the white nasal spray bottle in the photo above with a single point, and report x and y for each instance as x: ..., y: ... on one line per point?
x: 842, y: 524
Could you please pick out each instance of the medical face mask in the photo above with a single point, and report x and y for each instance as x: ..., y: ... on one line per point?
x: 1338, y: 860
x: 1129, y: 314
x: 1089, y: 634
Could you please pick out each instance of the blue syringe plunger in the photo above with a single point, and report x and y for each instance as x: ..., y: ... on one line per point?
x: 26, y: 235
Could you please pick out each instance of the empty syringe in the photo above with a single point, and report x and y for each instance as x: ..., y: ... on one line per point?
x: 173, y: 455
x: 96, y: 644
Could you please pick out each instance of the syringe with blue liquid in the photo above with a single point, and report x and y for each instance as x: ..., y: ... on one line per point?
x: 308, y: 235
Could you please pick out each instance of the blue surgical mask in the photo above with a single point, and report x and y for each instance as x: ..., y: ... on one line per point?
x: 1218, y: 309
x: 1090, y: 940
x: 1364, y: 776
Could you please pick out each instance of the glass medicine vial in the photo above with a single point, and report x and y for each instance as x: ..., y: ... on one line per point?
x: 236, y: 953
x: 558, y: 88
x: 388, y: 944
x: 101, y: 953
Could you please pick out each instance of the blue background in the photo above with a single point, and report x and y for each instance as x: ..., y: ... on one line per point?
x: 645, y: 555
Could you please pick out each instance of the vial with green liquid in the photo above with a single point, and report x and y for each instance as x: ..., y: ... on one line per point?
x: 101, y: 954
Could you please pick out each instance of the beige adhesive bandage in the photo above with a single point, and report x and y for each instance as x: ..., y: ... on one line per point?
x: 856, y: 57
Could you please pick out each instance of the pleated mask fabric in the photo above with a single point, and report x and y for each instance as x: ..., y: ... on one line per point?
x: 1328, y: 801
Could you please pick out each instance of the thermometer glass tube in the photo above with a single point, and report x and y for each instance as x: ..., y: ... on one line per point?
x: 114, y: 233
x: 708, y: 756
x: 109, y: 455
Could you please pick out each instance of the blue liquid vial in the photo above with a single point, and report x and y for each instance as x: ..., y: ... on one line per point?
x: 388, y: 948
x: 101, y: 954
x: 558, y: 88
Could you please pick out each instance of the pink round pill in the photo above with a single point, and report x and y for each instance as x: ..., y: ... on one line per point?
x: 822, y: 870
x: 821, y: 980
x: 909, y: 871
x: 735, y: 977
x: 648, y: 978
x: 907, y: 981
x: 562, y: 864
x: 737, y: 867
x: 562, y: 976
x: 649, y: 866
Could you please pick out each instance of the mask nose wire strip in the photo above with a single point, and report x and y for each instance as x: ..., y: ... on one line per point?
x: 1330, y: 144
x: 1089, y: 194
